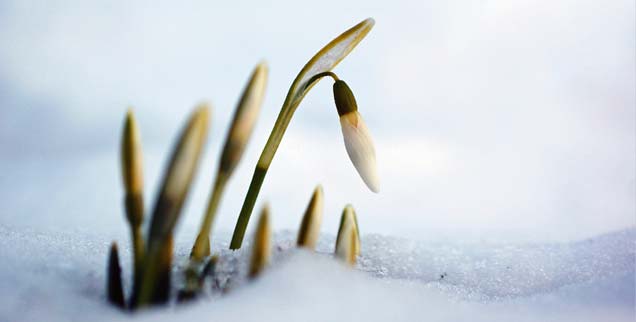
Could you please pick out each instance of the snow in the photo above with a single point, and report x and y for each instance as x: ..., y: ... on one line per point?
x: 53, y: 275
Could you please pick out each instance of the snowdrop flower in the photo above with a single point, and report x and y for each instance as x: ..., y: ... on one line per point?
x: 318, y: 66
x: 356, y: 135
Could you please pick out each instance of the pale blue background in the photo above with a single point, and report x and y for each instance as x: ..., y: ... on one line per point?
x: 492, y: 119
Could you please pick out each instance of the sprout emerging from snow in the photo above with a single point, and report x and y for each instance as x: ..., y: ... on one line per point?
x: 114, y: 284
x: 347, y: 242
x: 310, y: 226
x: 262, y: 248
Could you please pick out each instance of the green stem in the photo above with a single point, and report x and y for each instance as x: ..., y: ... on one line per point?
x: 265, y: 160
x: 318, y: 76
x: 248, y: 206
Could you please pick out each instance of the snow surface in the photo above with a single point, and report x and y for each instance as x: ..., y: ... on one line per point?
x: 60, y: 276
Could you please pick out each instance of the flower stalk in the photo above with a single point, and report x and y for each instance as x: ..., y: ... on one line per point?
x: 324, y: 61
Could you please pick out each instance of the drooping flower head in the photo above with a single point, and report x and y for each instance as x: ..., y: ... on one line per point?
x: 356, y: 135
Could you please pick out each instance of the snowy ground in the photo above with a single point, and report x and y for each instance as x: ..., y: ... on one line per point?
x: 59, y: 276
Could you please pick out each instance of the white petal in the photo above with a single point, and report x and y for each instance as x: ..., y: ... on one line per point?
x: 360, y: 148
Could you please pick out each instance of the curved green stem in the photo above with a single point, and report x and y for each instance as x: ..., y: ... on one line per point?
x: 265, y: 160
x: 318, y: 76
x: 318, y: 66
x: 248, y: 206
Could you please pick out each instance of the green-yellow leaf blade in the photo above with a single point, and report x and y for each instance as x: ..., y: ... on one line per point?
x: 323, y: 61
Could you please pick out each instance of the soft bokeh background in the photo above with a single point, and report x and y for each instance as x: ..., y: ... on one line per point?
x: 492, y: 119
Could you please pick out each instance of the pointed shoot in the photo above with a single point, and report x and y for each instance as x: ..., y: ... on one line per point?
x: 114, y: 287
x: 262, y: 249
x: 310, y: 226
x: 346, y: 240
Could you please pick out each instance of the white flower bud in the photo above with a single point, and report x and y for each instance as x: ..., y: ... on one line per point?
x: 360, y: 148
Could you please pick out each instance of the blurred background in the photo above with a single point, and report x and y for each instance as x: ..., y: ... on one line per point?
x: 492, y: 119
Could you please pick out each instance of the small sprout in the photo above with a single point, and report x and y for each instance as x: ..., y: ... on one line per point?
x: 176, y: 183
x: 114, y: 287
x: 322, y: 62
x: 262, y: 248
x: 356, y: 135
x: 132, y: 172
x: 310, y: 226
x: 347, y: 236
x: 240, y: 131
x: 347, y: 214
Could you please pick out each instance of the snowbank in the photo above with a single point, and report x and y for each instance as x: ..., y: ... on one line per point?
x: 54, y: 276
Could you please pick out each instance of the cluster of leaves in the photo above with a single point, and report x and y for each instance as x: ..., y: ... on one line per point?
x: 152, y: 255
